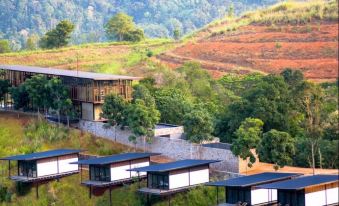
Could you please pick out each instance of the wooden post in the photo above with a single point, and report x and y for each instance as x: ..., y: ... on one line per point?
x: 9, y: 168
x: 90, y: 192
x: 169, y: 200
x: 110, y: 196
x: 138, y: 180
x: 37, y: 190
x: 217, y: 195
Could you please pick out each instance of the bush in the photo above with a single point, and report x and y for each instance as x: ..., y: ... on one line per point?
x: 5, y: 195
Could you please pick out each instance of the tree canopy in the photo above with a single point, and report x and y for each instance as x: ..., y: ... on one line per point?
x: 122, y: 28
x: 277, y: 147
x: 4, y: 46
x: 59, y: 36
x: 248, y: 137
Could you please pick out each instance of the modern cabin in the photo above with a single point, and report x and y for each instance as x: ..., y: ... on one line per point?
x: 317, y: 190
x: 113, y: 170
x: 38, y: 166
x: 87, y: 89
x: 168, y: 178
x: 243, y: 189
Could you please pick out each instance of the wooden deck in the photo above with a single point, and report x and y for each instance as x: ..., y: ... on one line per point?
x: 160, y: 192
x: 112, y: 183
x: 37, y: 179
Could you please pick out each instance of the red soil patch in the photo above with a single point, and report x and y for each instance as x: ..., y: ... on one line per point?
x: 311, y: 48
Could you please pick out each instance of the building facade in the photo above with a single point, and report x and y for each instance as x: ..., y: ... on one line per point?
x: 87, y: 90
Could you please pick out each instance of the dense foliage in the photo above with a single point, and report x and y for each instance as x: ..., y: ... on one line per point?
x: 57, y: 37
x: 21, y: 19
x: 122, y: 28
x: 245, y: 109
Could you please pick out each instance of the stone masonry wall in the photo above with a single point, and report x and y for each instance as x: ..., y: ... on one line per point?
x: 173, y: 148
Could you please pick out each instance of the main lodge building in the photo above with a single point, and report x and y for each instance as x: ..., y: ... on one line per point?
x: 87, y: 89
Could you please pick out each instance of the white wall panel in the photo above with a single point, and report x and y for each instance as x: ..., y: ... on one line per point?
x: 47, y: 167
x: 119, y: 172
x: 199, y: 176
x: 332, y: 195
x: 65, y: 166
x: 315, y: 198
x: 140, y: 164
x: 259, y: 196
x: 178, y: 180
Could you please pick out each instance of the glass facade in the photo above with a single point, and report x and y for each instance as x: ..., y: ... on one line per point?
x: 100, y: 173
x: 27, y: 168
x: 238, y: 194
x: 291, y: 197
x: 158, y: 181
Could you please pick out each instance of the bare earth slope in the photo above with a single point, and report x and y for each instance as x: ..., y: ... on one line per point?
x: 313, y: 48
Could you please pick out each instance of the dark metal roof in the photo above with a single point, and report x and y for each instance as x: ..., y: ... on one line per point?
x: 42, y: 155
x: 182, y: 164
x: 114, y: 158
x: 302, y: 182
x: 68, y: 73
x: 253, y: 180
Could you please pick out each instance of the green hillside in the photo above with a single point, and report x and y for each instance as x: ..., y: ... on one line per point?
x: 20, y: 135
x: 22, y: 18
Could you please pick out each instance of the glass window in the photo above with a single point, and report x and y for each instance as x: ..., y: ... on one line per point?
x: 100, y: 173
x: 27, y: 168
x: 237, y: 194
x: 159, y: 181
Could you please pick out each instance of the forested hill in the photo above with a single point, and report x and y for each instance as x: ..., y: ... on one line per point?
x: 22, y: 18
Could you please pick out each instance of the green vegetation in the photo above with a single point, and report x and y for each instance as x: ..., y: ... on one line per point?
x: 296, y: 12
x: 39, y: 92
x: 277, y: 147
x: 57, y: 37
x: 288, y: 12
x: 21, y: 135
x: 4, y: 88
x: 4, y: 46
x: 157, y: 18
x: 248, y: 137
x: 122, y: 28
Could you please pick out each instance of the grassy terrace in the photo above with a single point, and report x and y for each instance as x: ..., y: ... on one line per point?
x: 290, y: 12
x: 109, y: 57
x: 16, y: 137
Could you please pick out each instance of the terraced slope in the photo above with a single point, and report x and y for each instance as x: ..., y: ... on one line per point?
x: 311, y: 46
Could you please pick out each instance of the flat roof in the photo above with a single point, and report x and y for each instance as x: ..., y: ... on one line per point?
x: 302, y: 182
x: 68, y: 73
x: 114, y: 158
x: 253, y: 180
x: 42, y: 155
x: 181, y: 164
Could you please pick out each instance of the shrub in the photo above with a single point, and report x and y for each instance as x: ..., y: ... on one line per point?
x: 5, y: 195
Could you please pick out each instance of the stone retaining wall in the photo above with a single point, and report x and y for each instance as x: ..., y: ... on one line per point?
x: 173, y: 148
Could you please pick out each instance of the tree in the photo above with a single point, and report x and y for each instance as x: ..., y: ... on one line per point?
x: 59, y: 94
x: 20, y: 96
x: 4, y: 46
x: 122, y: 28
x: 230, y: 11
x: 32, y: 42
x: 176, y: 34
x: 248, y: 137
x: 141, y: 119
x: 4, y: 88
x: 198, y: 125
x: 38, y: 92
x: 277, y: 147
x: 141, y: 92
x: 113, y: 110
x: 173, y: 105
x: 135, y: 35
x: 312, y: 100
x: 59, y: 36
